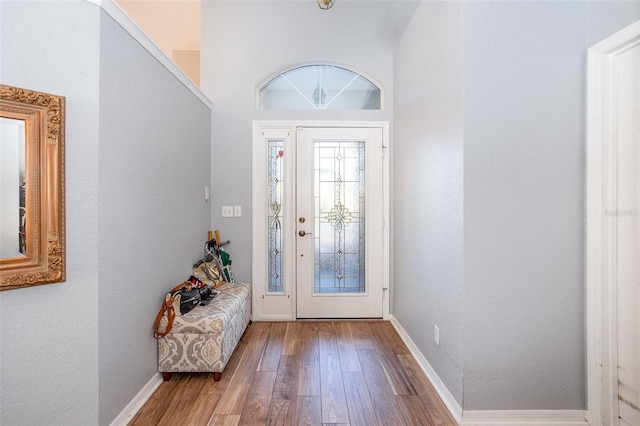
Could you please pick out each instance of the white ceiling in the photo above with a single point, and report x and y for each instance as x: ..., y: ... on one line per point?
x: 175, y: 24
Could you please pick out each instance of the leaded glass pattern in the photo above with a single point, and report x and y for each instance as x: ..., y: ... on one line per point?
x: 339, y: 199
x: 275, y: 215
x: 320, y: 87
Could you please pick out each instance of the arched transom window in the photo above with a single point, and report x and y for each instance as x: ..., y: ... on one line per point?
x: 320, y: 87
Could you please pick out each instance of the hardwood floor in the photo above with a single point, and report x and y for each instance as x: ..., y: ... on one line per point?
x: 305, y: 373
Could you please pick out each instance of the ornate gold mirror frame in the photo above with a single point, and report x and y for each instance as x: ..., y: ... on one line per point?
x: 42, y: 226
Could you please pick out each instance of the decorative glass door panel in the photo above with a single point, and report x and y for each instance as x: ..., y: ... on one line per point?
x: 339, y: 223
x: 339, y: 205
x: 276, y: 182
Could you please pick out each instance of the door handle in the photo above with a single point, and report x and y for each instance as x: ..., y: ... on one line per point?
x: 303, y: 233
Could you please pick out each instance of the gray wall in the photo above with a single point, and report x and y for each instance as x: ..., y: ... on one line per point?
x: 49, y: 334
x: 523, y: 194
x: 428, y: 279
x: 155, y: 140
x: 244, y: 43
x: 508, y: 293
x: 524, y: 138
x: 137, y: 162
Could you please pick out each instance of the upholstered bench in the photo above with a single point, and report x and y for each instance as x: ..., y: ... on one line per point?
x: 203, y: 339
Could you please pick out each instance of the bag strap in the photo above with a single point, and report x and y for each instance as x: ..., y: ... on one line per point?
x: 167, y: 306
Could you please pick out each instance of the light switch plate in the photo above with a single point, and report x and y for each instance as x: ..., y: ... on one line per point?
x: 227, y: 211
x: 237, y: 211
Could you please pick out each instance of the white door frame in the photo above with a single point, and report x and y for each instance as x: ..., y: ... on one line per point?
x: 600, y: 236
x: 281, y: 307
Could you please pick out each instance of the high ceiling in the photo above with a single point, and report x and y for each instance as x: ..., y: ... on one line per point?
x: 175, y: 24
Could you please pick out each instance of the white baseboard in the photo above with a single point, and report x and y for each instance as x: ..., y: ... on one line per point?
x: 275, y: 318
x: 489, y: 417
x: 138, y: 401
x: 448, y: 399
x: 524, y: 418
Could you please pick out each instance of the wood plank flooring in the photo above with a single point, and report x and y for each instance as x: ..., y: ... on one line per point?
x: 346, y: 373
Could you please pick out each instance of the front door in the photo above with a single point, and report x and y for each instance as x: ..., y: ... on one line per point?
x: 320, y: 244
x: 339, y: 222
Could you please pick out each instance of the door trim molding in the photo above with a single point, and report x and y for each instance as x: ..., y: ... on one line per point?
x: 600, y: 238
x: 258, y: 263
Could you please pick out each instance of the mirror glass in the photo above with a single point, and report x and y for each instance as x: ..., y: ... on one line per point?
x: 12, y: 189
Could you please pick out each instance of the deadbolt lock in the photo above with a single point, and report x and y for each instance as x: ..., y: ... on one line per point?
x: 302, y: 220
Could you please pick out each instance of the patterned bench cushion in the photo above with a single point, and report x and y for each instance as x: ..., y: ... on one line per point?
x: 214, y: 317
x: 204, y: 339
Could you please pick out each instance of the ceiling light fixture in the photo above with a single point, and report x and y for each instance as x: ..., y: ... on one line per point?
x: 325, y: 4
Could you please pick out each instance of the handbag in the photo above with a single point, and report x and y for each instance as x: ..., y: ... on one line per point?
x: 207, y: 270
x: 206, y: 294
x: 189, y: 298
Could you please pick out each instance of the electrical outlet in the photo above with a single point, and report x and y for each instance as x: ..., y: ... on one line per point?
x: 227, y: 211
x: 436, y: 335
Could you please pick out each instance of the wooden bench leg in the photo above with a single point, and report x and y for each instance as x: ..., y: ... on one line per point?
x: 166, y: 376
x: 217, y: 376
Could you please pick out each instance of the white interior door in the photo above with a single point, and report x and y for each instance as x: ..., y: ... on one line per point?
x: 628, y: 241
x: 339, y: 222
x: 613, y: 240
